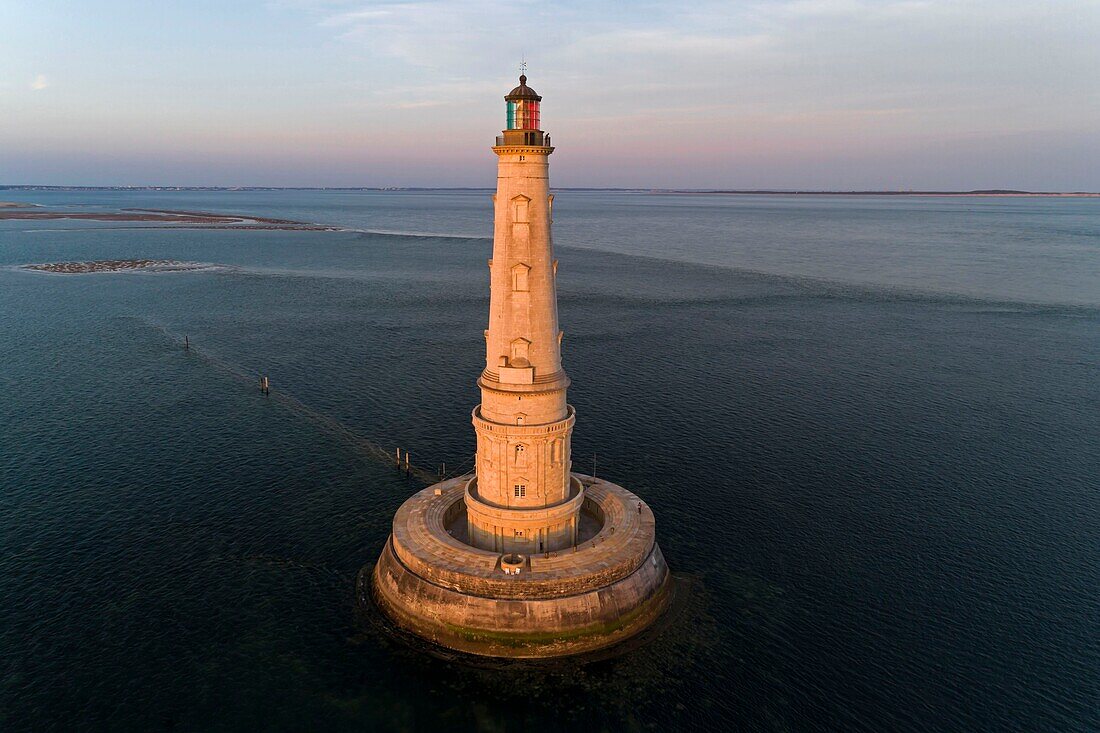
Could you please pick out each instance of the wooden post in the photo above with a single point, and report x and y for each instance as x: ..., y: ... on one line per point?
x: 265, y: 385
x: 186, y: 343
x: 398, y: 464
x: 408, y: 470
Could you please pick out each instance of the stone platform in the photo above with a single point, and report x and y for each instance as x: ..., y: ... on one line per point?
x: 609, y: 587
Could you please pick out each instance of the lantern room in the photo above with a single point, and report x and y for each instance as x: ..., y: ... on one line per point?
x: 523, y: 107
x: 523, y: 117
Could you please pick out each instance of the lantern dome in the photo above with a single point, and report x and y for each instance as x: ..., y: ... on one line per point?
x: 522, y: 92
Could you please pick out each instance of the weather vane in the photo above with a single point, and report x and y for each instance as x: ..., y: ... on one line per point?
x: 523, y: 66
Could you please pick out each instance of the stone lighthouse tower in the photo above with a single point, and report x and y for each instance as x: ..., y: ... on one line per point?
x: 524, y: 499
x: 523, y: 557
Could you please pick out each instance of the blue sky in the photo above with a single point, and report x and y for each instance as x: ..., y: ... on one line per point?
x: 835, y: 94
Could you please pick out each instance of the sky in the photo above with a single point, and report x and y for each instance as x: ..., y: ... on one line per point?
x: 793, y: 94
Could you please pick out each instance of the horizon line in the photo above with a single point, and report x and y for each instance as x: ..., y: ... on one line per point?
x: 641, y: 189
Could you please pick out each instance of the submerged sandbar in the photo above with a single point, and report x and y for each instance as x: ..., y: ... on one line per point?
x: 172, y: 218
x: 80, y: 268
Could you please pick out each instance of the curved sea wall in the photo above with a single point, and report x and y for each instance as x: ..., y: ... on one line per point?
x: 574, y: 600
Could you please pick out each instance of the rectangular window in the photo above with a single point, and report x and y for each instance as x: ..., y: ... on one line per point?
x: 519, y: 279
x: 520, y: 490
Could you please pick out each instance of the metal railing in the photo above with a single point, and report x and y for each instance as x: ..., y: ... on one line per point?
x: 545, y: 141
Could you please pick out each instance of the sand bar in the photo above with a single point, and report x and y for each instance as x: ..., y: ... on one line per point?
x: 171, y: 218
x: 81, y: 268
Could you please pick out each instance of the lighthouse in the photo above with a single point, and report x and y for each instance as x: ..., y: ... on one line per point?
x: 524, y: 499
x: 523, y: 557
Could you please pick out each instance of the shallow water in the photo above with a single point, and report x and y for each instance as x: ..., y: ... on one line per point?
x: 868, y: 428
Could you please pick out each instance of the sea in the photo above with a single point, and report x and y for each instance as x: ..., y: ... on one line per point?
x: 869, y: 428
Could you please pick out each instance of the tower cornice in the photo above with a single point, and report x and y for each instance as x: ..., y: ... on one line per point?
x: 523, y: 149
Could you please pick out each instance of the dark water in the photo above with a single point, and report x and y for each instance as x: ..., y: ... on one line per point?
x: 869, y: 429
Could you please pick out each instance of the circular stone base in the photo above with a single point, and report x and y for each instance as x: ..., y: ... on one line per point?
x: 564, y: 602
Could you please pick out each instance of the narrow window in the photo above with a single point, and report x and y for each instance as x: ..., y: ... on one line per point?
x: 555, y: 451
x: 519, y: 209
x: 520, y: 490
x: 519, y: 278
x: 519, y: 352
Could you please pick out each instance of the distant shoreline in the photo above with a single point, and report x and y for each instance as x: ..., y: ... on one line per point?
x: 686, y: 191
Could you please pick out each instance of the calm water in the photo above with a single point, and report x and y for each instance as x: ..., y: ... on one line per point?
x: 869, y: 429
